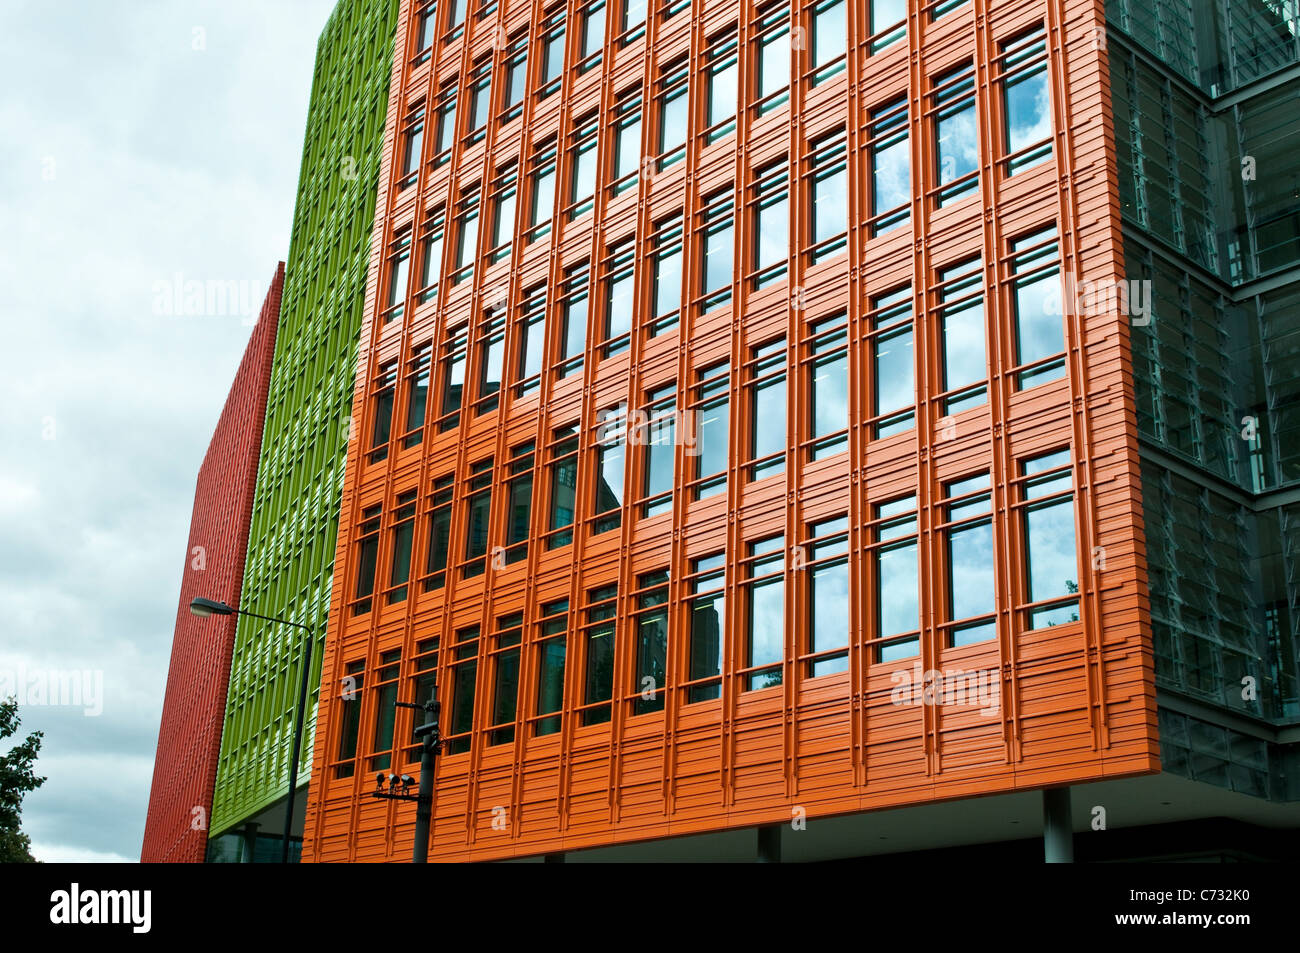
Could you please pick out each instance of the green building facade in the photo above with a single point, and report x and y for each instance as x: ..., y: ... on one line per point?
x: 1205, y: 96
x: 300, y: 471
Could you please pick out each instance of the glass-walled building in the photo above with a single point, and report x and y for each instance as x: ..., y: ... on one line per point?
x: 1204, y: 98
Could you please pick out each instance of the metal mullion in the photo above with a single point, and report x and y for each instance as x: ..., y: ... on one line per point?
x: 922, y: 143
x: 676, y: 655
x: 1081, y: 443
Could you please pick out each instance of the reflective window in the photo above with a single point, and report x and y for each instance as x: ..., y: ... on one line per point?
x: 519, y: 503
x: 1051, y: 557
x: 593, y: 35
x: 412, y: 144
x: 381, y: 425
x: 651, y: 642
x: 1036, y: 297
x: 542, y: 199
x: 718, y: 252
x: 399, y: 258
x: 435, y: 567
x: 598, y: 660
x: 464, y: 677
x: 480, y: 98
x: 582, y: 164
x: 968, y: 538
x: 564, y: 482
x: 722, y: 74
x: 1026, y: 102
x: 431, y: 256
x: 771, y: 39
x: 620, y: 297
x: 453, y: 378
x: 957, y: 146
x: 829, y: 38
x: 893, y: 391
x: 446, y: 122
x: 478, y: 518
x: 552, y: 46
x: 350, y: 718
x: 660, y: 440
x: 504, y: 190
x: 530, y: 349
x: 828, y: 386
x: 674, y: 112
x: 611, y: 457
x: 367, y: 558
x: 552, y: 648
x: 767, y: 412
x: 667, y: 245
x: 961, y: 328
x: 770, y: 201
x: 627, y: 141
x: 424, y: 688
x: 896, y: 597
x: 399, y: 572
x: 708, y: 623
x: 573, y: 334
x: 417, y: 395
x: 385, y: 691
x: 707, y: 436
x: 764, y: 594
x: 516, y: 74
x: 428, y: 28
x: 827, y: 566
x: 891, y: 183
x: 491, y: 364
x: 633, y: 20
x: 829, y: 199
x: 888, y: 23
x: 467, y: 211
x: 504, y: 660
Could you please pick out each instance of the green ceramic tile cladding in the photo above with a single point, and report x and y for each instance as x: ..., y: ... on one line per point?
x: 1207, y: 158
x: 300, y: 473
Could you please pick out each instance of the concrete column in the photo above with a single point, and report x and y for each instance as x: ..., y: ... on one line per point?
x: 1058, y: 833
x: 250, y: 842
x: 769, y: 844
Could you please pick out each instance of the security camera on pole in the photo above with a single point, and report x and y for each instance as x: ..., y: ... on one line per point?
x: 399, y: 787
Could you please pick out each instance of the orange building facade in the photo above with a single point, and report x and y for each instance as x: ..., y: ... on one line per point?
x: 741, y: 430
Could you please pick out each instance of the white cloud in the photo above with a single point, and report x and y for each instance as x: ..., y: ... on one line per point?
x: 128, y: 157
x: 68, y: 854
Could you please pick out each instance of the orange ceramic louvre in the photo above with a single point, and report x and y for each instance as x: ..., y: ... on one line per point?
x: 464, y: 475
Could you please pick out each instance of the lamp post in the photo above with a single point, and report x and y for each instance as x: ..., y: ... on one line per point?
x: 208, y: 607
x: 430, y: 744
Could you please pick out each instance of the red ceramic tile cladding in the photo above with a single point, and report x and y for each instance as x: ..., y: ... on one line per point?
x: 1078, y: 699
x: 189, y: 739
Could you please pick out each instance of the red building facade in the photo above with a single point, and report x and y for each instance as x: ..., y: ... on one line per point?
x: 189, y: 740
x: 730, y: 440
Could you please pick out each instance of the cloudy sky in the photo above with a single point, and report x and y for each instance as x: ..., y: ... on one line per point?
x: 142, y: 140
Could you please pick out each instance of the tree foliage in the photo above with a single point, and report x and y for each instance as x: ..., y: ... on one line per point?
x: 16, y: 779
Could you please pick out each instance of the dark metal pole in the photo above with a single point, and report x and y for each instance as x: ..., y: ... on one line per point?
x: 424, y: 804
x: 297, y: 744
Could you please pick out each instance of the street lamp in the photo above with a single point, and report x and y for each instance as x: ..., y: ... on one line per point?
x: 209, y: 607
x: 399, y: 787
